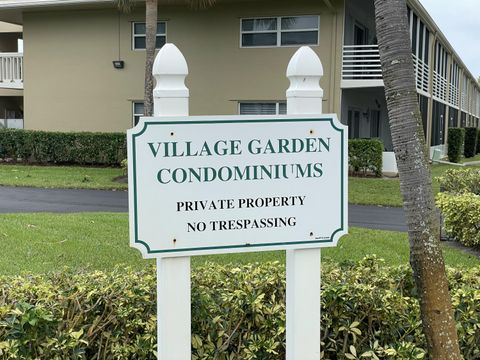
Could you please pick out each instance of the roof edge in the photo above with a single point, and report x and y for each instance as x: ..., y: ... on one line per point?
x: 417, y: 6
x: 17, y: 4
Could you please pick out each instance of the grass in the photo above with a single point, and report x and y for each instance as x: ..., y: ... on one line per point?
x: 475, y: 158
x: 38, y: 243
x: 386, y: 192
x: 60, y: 177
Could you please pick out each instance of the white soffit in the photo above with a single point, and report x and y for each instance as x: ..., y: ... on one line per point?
x: 10, y: 28
x: 10, y: 4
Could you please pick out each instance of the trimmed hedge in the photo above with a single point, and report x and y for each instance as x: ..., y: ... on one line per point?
x: 478, y: 142
x: 238, y: 312
x: 470, y: 148
x: 461, y: 214
x: 459, y: 181
x: 81, y: 148
x: 460, y: 204
x: 365, y: 155
x: 456, y: 138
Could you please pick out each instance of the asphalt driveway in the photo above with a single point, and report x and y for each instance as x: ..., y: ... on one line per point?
x: 20, y: 199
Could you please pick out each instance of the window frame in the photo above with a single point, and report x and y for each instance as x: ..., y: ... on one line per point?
x: 278, y: 31
x: 134, y: 114
x: 134, y: 36
x: 276, y: 102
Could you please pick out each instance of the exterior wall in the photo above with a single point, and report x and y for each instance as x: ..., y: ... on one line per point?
x: 71, y: 85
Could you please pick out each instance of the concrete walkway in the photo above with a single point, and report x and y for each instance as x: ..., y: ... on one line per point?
x: 20, y: 199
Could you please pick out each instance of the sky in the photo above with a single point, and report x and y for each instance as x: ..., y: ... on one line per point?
x: 459, y: 21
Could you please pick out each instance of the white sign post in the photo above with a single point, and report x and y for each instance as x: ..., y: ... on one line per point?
x: 220, y: 184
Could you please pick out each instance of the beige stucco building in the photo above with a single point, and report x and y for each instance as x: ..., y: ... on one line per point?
x: 237, y: 52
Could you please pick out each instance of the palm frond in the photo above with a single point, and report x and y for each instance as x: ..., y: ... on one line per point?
x: 125, y: 6
x: 200, y: 4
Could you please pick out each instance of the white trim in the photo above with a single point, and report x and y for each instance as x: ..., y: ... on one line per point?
x: 353, y: 84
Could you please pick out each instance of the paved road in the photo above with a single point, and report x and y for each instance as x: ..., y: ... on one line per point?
x: 14, y: 200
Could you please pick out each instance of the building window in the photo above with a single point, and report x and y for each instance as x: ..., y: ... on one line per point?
x: 263, y: 108
x: 280, y: 31
x: 137, y: 111
x: 138, y: 35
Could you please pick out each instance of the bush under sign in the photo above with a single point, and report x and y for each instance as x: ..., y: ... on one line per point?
x: 204, y: 185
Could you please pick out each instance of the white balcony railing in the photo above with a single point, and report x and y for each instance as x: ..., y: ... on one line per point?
x: 361, y: 67
x: 11, y: 70
x: 361, y: 63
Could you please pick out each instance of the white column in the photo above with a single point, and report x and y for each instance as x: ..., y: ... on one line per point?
x: 170, y: 98
x: 304, y: 96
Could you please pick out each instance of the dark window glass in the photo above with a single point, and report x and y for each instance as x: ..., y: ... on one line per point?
x: 140, y: 28
x: 140, y: 43
x: 299, y: 22
x: 353, y: 124
x: 259, y: 24
x: 427, y: 46
x: 374, y: 123
x: 161, y: 28
x: 282, y: 108
x: 299, y: 37
x: 420, y: 42
x: 453, y: 117
x: 160, y: 41
x: 260, y: 39
x: 423, y: 102
x: 438, y: 123
x: 414, y: 35
x: 138, y: 111
x: 258, y: 108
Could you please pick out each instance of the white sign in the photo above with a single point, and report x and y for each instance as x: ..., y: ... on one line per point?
x: 203, y: 185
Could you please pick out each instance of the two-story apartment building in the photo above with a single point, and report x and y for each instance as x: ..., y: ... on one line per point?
x: 237, y: 52
x: 11, y: 67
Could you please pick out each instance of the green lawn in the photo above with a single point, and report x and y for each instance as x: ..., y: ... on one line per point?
x: 60, y: 177
x: 386, y: 192
x: 37, y: 243
x: 475, y: 158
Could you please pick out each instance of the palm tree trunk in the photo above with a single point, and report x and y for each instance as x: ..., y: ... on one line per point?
x: 151, y: 36
x: 408, y: 139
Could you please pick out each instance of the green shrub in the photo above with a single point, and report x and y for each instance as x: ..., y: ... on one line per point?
x: 62, y: 148
x: 459, y: 181
x: 470, y: 148
x: 461, y: 213
x: 238, y: 312
x: 365, y: 155
x: 124, y: 166
x: 456, y: 137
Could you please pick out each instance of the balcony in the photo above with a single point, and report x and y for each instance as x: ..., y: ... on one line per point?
x: 11, y: 71
x: 361, y: 67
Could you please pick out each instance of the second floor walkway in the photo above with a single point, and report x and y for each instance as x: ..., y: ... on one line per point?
x: 11, y: 70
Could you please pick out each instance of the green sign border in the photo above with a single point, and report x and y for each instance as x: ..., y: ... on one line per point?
x: 189, y: 122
